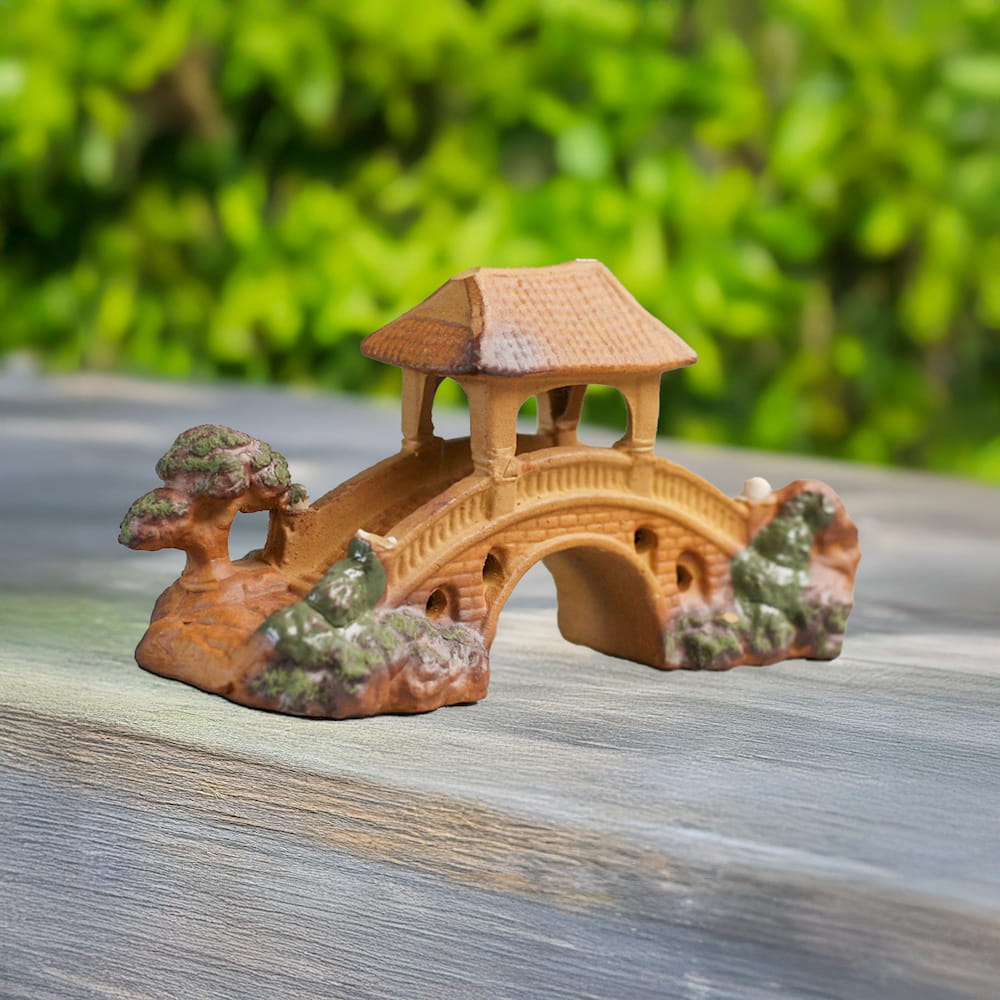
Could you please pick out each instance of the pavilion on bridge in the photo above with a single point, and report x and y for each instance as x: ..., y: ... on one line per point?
x: 506, y: 334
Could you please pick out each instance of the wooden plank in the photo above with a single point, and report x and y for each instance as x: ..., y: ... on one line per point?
x: 593, y: 829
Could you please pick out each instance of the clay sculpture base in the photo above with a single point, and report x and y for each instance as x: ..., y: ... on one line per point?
x: 387, y: 661
x: 384, y: 595
x: 792, y: 588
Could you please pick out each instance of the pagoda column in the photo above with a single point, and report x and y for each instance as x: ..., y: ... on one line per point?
x: 642, y: 394
x: 418, y: 398
x: 493, y: 406
x: 559, y: 413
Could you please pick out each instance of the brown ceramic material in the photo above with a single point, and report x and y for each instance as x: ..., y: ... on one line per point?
x: 384, y: 595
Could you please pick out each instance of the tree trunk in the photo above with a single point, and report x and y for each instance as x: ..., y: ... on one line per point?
x: 206, y: 540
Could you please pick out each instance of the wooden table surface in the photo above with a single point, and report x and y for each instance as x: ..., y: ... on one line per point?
x: 595, y: 828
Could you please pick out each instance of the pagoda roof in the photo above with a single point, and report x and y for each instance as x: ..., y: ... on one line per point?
x: 575, y: 317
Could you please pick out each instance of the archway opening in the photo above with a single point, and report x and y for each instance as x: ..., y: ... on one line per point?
x: 606, y: 602
x: 645, y: 540
x: 604, y: 418
x: 692, y: 579
x: 527, y: 613
x: 493, y: 576
x: 528, y: 438
x: 450, y: 409
x: 437, y: 604
x: 605, y: 599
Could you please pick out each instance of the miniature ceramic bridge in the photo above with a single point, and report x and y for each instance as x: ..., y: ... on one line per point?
x: 629, y: 538
x: 384, y: 594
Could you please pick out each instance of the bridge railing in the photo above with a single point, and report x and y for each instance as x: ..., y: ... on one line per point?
x: 457, y: 517
x: 553, y: 475
x: 684, y: 491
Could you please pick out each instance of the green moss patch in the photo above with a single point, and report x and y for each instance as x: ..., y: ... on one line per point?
x: 774, y: 610
x: 318, y: 664
x: 153, y: 506
x: 330, y: 643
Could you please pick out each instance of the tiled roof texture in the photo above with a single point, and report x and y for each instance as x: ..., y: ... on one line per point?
x: 573, y: 317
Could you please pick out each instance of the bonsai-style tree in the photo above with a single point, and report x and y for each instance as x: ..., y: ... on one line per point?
x: 211, y: 473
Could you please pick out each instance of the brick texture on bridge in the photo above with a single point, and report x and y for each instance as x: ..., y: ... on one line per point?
x: 465, y: 587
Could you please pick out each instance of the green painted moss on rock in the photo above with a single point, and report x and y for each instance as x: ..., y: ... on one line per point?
x: 316, y: 663
x: 773, y: 570
x: 150, y: 506
x: 765, y: 629
x: 292, y: 683
x: 773, y: 611
x: 335, y: 639
x: 350, y: 587
x: 302, y: 634
x: 710, y: 645
x: 350, y: 653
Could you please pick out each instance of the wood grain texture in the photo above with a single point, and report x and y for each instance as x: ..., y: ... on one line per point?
x: 593, y: 829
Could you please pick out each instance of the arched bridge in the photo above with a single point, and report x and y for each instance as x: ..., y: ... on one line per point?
x: 628, y: 540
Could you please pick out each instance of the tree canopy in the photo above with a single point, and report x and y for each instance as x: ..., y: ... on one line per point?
x: 210, y: 474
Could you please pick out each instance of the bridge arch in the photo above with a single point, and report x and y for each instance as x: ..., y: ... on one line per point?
x: 607, y: 599
x: 626, y: 561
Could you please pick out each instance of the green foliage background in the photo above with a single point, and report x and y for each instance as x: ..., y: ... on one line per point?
x: 808, y: 191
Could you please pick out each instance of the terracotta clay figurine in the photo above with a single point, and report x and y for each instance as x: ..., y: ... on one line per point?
x: 384, y: 595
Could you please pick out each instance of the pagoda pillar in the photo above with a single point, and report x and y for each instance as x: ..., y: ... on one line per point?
x: 418, y: 398
x: 493, y: 406
x: 559, y: 413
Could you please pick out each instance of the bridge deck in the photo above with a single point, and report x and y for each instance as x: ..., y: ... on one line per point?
x: 593, y: 829
x: 377, y: 499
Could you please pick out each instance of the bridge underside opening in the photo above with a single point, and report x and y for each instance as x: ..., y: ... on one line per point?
x: 604, y: 601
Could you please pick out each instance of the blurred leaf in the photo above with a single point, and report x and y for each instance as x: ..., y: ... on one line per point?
x: 240, y: 210
x: 810, y: 127
x: 974, y: 75
x: 927, y: 304
x: 583, y: 150
x: 885, y: 227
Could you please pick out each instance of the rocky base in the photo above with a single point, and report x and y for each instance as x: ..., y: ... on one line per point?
x: 792, y: 588
x: 390, y: 660
x: 250, y: 636
x: 756, y: 635
x: 197, y: 624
